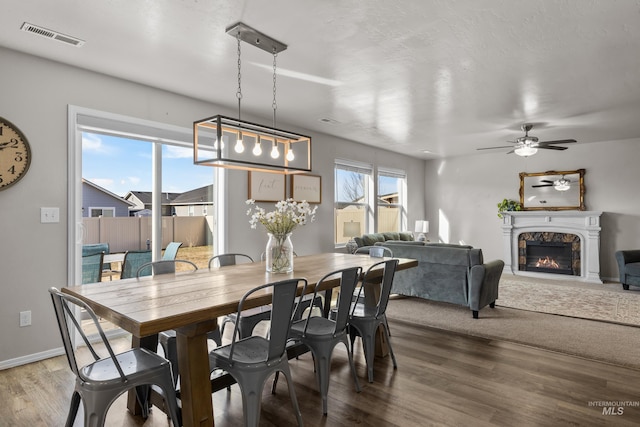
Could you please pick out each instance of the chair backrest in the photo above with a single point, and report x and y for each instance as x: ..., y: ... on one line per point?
x: 92, y: 268
x: 229, y: 259
x: 164, y: 266
x: 132, y: 262
x: 375, y: 251
x: 348, y: 278
x: 283, y: 296
x: 69, y: 325
x: 95, y: 248
x: 371, y: 284
x: 171, y: 251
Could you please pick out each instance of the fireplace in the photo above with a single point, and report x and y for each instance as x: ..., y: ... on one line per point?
x: 554, y: 253
x: 570, y: 240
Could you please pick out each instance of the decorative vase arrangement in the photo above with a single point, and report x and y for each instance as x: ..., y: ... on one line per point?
x: 280, y: 224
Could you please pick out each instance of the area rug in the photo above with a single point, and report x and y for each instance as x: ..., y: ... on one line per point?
x: 606, y: 302
x: 610, y: 341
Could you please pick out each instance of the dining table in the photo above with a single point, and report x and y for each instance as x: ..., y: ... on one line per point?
x: 190, y: 304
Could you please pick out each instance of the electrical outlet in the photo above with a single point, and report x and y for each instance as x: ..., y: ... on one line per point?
x: 25, y: 318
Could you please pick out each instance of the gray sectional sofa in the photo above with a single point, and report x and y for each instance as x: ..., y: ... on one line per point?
x: 450, y: 273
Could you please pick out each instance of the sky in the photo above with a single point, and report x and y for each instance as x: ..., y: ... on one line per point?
x: 121, y: 165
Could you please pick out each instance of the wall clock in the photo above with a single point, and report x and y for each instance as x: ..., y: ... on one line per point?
x: 15, y: 154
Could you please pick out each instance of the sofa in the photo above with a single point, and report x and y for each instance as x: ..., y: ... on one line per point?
x: 455, y: 274
x: 629, y: 267
x: 393, y: 236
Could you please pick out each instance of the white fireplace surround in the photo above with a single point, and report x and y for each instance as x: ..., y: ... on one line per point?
x: 585, y: 224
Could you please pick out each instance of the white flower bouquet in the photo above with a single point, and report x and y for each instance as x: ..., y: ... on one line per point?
x: 288, y: 215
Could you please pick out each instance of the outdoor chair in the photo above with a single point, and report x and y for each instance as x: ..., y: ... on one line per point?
x: 252, y: 317
x: 171, y: 251
x: 252, y: 360
x: 368, y: 313
x: 92, y: 268
x: 96, y: 248
x: 100, y: 383
x: 132, y: 262
x: 321, y: 334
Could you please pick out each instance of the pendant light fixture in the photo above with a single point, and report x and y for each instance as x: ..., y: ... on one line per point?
x: 221, y: 141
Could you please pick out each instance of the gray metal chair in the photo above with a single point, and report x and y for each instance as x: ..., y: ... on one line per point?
x: 375, y: 251
x: 92, y: 268
x: 321, y: 334
x: 132, y: 261
x: 251, y: 317
x: 252, y: 360
x: 368, y: 313
x: 100, y: 383
x: 164, y: 266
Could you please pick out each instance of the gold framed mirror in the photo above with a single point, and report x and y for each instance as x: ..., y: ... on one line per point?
x: 552, y: 190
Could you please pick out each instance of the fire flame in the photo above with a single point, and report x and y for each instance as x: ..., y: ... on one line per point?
x: 547, y: 262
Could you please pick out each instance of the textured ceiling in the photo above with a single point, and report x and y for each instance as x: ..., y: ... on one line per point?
x: 405, y: 75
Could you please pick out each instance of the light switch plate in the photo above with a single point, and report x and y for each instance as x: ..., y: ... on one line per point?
x: 49, y: 215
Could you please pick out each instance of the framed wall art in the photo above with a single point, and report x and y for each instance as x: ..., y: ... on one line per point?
x: 306, y: 187
x: 266, y: 187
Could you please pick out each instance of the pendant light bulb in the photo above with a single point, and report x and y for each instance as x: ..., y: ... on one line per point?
x: 274, y: 151
x: 239, y: 147
x: 257, y: 149
x: 290, y: 155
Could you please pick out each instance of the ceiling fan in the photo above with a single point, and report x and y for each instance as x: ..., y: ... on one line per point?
x: 528, y: 145
x: 562, y: 184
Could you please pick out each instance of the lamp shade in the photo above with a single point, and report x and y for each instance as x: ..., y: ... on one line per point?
x: 422, y: 226
x: 351, y: 229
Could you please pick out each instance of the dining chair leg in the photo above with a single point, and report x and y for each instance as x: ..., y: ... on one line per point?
x: 73, y: 409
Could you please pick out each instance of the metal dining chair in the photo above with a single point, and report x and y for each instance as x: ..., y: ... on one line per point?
x: 164, y: 266
x: 368, y: 312
x: 253, y: 316
x: 253, y: 359
x: 321, y: 334
x: 101, y: 382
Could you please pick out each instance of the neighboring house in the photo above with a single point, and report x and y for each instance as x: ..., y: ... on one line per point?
x: 141, y: 200
x: 98, y: 201
x: 198, y: 202
x: 190, y: 203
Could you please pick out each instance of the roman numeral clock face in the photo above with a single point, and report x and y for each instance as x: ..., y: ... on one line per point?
x: 15, y: 154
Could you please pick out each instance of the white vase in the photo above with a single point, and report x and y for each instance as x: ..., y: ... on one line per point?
x: 279, y: 253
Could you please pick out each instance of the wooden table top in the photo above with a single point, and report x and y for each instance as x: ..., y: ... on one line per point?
x: 150, y: 305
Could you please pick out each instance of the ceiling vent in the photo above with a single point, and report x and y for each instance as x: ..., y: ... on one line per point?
x: 50, y: 34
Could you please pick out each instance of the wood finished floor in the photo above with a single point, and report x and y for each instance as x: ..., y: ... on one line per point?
x: 443, y: 379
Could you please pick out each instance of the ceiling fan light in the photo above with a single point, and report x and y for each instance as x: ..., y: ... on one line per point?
x: 561, y: 185
x: 525, y: 151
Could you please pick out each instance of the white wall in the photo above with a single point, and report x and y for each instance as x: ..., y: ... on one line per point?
x: 464, y: 192
x: 33, y: 256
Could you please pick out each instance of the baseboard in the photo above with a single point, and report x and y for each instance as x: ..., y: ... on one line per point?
x: 54, y: 352
x: 31, y: 358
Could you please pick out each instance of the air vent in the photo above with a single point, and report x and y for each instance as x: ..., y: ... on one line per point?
x: 50, y: 34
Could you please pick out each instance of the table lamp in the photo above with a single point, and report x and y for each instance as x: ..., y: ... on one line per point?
x: 351, y: 229
x: 421, y: 228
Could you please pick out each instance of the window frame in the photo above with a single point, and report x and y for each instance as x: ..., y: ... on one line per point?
x: 401, y: 204
x: 366, y: 205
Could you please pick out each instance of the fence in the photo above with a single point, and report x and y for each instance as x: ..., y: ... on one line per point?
x: 131, y: 233
x: 388, y: 220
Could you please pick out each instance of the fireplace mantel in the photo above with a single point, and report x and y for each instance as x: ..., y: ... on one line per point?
x: 585, y: 224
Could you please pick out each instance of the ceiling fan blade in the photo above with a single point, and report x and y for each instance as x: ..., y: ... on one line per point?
x: 559, y: 141
x: 542, y: 185
x: 547, y: 181
x: 551, y: 147
x: 491, y: 148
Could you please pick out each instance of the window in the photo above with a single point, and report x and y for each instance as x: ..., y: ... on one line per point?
x: 391, y: 200
x: 104, y: 212
x: 353, y: 195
